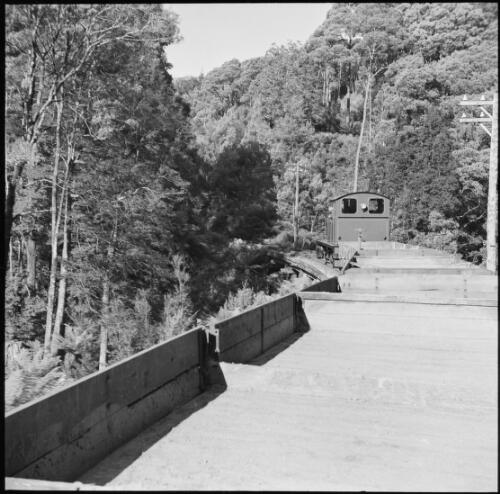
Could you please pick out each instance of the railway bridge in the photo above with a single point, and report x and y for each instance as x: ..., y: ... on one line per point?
x: 383, y: 377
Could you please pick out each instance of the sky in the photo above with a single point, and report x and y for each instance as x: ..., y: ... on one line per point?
x: 215, y: 33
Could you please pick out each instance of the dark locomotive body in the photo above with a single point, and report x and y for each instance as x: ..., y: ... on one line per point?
x: 359, y: 214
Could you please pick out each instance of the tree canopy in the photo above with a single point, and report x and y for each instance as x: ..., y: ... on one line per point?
x: 136, y: 204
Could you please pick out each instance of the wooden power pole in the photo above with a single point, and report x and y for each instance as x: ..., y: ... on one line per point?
x: 492, y: 221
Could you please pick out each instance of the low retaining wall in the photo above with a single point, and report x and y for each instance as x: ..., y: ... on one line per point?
x: 463, y: 284
x: 251, y: 333
x: 60, y: 436
x: 422, y: 299
x: 329, y: 285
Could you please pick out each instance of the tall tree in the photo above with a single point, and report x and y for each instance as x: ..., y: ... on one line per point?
x: 243, y: 199
x: 54, y: 68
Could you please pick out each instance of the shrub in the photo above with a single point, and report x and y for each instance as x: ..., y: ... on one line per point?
x: 305, y: 240
x: 29, y: 373
x: 237, y: 302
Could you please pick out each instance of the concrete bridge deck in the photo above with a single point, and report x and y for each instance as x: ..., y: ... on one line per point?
x: 393, y: 388
x: 375, y: 396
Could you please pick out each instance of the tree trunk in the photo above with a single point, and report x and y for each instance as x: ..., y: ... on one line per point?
x: 65, y: 194
x: 55, y: 220
x: 370, y: 119
x: 30, y: 240
x: 26, y: 120
x: 326, y: 87
x: 103, y: 348
x: 61, y: 296
x: 105, y: 301
x: 11, y: 267
x: 31, y: 262
x: 358, y: 151
x: 10, y: 199
x: 348, y: 94
x: 296, y: 208
x: 19, y: 257
x: 323, y: 92
x: 348, y: 105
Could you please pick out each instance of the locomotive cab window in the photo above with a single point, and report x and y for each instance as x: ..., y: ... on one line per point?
x: 349, y: 206
x: 376, y: 206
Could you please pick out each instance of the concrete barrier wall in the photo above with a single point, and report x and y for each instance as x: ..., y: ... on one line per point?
x: 278, y: 320
x: 252, y: 332
x: 329, y: 285
x: 461, y: 284
x: 62, y: 435
x: 422, y: 251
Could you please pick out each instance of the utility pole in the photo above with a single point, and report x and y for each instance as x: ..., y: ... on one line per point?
x: 492, y: 221
x: 360, y: 141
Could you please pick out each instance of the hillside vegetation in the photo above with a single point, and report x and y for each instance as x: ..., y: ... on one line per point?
x: 391, y: 72
x: 137, y: 205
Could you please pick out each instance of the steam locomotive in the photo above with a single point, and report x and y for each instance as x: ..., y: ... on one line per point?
x: 354, y: 217
x: 359, y: 214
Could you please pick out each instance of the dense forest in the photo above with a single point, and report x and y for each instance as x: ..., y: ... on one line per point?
x: 137, y: 206
x: 374, y: 93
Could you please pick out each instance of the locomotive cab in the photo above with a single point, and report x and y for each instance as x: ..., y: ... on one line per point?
x: 364, y: 214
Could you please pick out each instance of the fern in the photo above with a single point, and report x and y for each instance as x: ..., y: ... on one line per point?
x: 30, y: 374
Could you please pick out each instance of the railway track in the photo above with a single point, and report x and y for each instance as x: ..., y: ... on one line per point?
x: 393, y: 268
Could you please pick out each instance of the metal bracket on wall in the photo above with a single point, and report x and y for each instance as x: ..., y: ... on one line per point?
x: 214, y: 332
